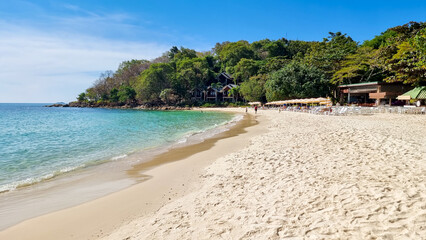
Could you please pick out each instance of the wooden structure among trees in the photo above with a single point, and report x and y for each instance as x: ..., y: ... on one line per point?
x: 225, y: 78
x: 217, y: 92
x: 374, y: 93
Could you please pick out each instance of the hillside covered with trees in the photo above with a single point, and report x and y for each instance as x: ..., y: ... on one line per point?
x: 266, y: 70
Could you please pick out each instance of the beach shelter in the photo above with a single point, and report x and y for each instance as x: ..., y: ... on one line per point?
x: 306, y: 101
x: 255, y: 103
x: 416, y: 93
x: 326, y: 101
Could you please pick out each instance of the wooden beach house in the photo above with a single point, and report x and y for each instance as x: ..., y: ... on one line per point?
x: 226, y: 95
x: 198, y: 94
x: 225, y: 78
x: 212, y: 94
x: 372, y: 93
x: 218, y: 93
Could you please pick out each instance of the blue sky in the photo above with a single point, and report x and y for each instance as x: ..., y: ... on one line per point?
x: 52, y: 50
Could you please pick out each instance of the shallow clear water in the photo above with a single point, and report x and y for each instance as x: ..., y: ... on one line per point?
x: 38, y: 143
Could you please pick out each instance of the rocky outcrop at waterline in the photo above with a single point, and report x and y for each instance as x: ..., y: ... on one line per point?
x: 146, y: 106
x: 58, y: 105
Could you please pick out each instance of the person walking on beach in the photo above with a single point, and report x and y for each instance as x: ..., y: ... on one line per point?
x: 255, y: 109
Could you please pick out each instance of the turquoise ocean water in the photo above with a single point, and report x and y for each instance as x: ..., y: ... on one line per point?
x: 38, y: 143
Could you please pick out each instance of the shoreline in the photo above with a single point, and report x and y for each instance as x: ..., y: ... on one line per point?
x: 189, y: 138
x: 91, y: 182
x: 159, y: 162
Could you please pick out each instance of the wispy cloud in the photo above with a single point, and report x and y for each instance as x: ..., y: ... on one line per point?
x: 56, y: 62
x: 80, y: 10
x: 33, y: 63
x: 80, y: 15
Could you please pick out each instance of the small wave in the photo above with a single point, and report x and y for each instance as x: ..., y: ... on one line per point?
x: 233, y: 121
x: 183, y: 140
x: 119, y: 157
x: 237, y: 118
x: 201, y: 135
x: 31, y: 181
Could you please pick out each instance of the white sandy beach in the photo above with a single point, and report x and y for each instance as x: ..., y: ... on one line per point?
x: 293, y: 176
x: 306, y: 177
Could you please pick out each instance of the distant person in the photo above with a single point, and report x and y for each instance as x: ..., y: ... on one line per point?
x: 246, y: 109
x: 255, y: 109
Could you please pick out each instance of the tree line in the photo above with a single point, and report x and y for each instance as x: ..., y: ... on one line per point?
x: 268, y: 70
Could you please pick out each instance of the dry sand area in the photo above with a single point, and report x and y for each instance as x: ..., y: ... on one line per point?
x: 306, y: 177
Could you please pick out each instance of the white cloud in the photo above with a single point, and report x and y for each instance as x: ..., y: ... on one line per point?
x: 38, y: 66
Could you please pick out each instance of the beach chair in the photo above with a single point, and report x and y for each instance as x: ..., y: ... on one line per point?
x: 367, y: 110
x: 344, y: 111
x: 338, y: 111
x: 354, y: 110
x: 316, y: 110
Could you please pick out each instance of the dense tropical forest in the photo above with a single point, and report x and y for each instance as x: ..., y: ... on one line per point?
x: 267, y: 70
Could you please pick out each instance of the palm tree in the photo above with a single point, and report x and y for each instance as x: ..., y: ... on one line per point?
x: 234, y: 92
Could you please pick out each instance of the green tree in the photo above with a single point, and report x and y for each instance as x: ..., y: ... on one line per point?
x: 126, y: 94
x: 217, y: 85
x: 253, y: 90
x: 408, y: 30
x: 401, y: 49
x: 408, y: 64
x: 235, y: 92
x: 113, y: 95
x: 168, y: 96
x: 82, y: 97
x: 296, y: 48
x: 190, y: 74
x: 328, y: 54
x: 172, y: 52
x: 245, y: 69
x: 233, y: 52
x: 277, y: 48
x: 91, y: 94
x: 153, y: 80
x: 273, y: 64
x: 362, y: 66
x: 104, y: 97
x: 128, y: 72
x: 175, y: 53
x: 382, y: 40
x: 296, y: 80
x: 266, y: 48
x: 259, y: 47
x: 219, y: 47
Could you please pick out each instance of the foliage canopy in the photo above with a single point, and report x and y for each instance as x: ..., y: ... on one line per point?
x: 269, y: 69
